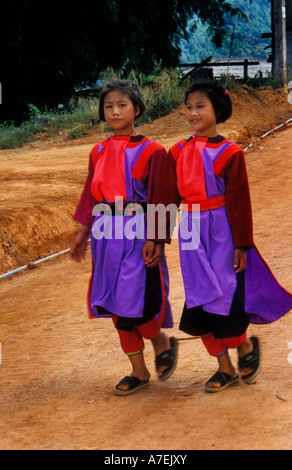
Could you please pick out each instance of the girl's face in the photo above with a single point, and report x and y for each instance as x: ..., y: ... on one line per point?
x: 201, y: 115
x: 120, y: 113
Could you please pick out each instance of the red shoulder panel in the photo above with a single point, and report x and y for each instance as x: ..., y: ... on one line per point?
x: 177, y: 148
x: 226, y: 155
x: 143, y: 159
x: 95, y: 154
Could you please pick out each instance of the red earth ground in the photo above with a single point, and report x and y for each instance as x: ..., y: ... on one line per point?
x: 58, y: 368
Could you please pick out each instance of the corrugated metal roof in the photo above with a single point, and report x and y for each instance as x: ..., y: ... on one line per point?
x: 237, y: 71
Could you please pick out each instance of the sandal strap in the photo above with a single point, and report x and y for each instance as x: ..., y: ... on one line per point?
x: 165, y: 358
x: 221, y: 377
x: 130, y: 381
x: 247, y: 360
x: 251, y: 358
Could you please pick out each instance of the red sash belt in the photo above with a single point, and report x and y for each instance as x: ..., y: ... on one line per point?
x: 206, y: 205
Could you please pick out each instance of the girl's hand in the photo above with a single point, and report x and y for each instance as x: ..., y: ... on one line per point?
x: 152, y: 253
x: 239, y: 260
x: 79, y: 246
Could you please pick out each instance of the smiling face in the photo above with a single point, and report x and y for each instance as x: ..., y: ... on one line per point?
x: 201, y: 115
x: 120, y: 113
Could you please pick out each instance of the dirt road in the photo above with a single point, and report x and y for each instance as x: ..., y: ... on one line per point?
x: 58, y: 369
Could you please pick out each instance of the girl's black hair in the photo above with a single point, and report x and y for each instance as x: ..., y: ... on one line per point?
x: 218, y: 96
x: 126, y: 87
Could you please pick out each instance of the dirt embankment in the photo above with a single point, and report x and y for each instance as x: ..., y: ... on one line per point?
x: 40, y: 183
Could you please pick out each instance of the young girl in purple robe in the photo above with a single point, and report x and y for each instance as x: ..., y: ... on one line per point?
x: 129, y: 281
x: 227, y: 283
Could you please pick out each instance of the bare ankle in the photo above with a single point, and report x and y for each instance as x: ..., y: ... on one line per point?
x: 245, y: 347
x: 160, y: 343
x: 225, y: 364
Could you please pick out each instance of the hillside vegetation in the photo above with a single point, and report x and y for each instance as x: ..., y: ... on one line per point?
x: 247, y: 42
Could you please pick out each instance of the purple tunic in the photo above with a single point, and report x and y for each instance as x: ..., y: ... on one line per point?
x: 199, y: 169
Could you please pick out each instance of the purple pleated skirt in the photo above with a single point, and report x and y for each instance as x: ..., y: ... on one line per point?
x: 118, y: 280
x: 207, y: 257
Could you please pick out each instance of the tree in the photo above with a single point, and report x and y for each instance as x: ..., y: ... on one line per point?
x: 248, y: 41
x: 48, y: 49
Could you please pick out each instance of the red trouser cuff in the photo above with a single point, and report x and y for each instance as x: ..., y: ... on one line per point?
x: 217, y: 347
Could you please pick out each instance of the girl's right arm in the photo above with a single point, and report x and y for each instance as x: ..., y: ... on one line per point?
x: 83, y: 215
x: 83, y: 212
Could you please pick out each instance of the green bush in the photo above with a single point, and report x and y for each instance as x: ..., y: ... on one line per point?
x: 161, y: 95
x: 12, y: 136
x: 160, y: 90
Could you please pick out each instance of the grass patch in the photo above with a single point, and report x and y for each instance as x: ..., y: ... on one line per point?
x: 14, y: 136
x: 160, y: 92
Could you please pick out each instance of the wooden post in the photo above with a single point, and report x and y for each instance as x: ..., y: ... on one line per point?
x: 245, y: 74
x: 279, y: 41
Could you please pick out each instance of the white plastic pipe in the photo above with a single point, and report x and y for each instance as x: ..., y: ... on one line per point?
x: 269, y: 132
x: 15, y: 271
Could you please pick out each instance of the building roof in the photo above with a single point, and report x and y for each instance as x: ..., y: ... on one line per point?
x: 237, y: 71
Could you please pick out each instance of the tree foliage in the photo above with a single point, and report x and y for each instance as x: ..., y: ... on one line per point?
x: 247, y: 40
x: 49, y: 48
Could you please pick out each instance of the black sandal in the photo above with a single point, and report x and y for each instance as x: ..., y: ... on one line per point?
x: 251, y: 360
x: 167, y: 359
x: 223, y: 379
x: 133, y: 383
